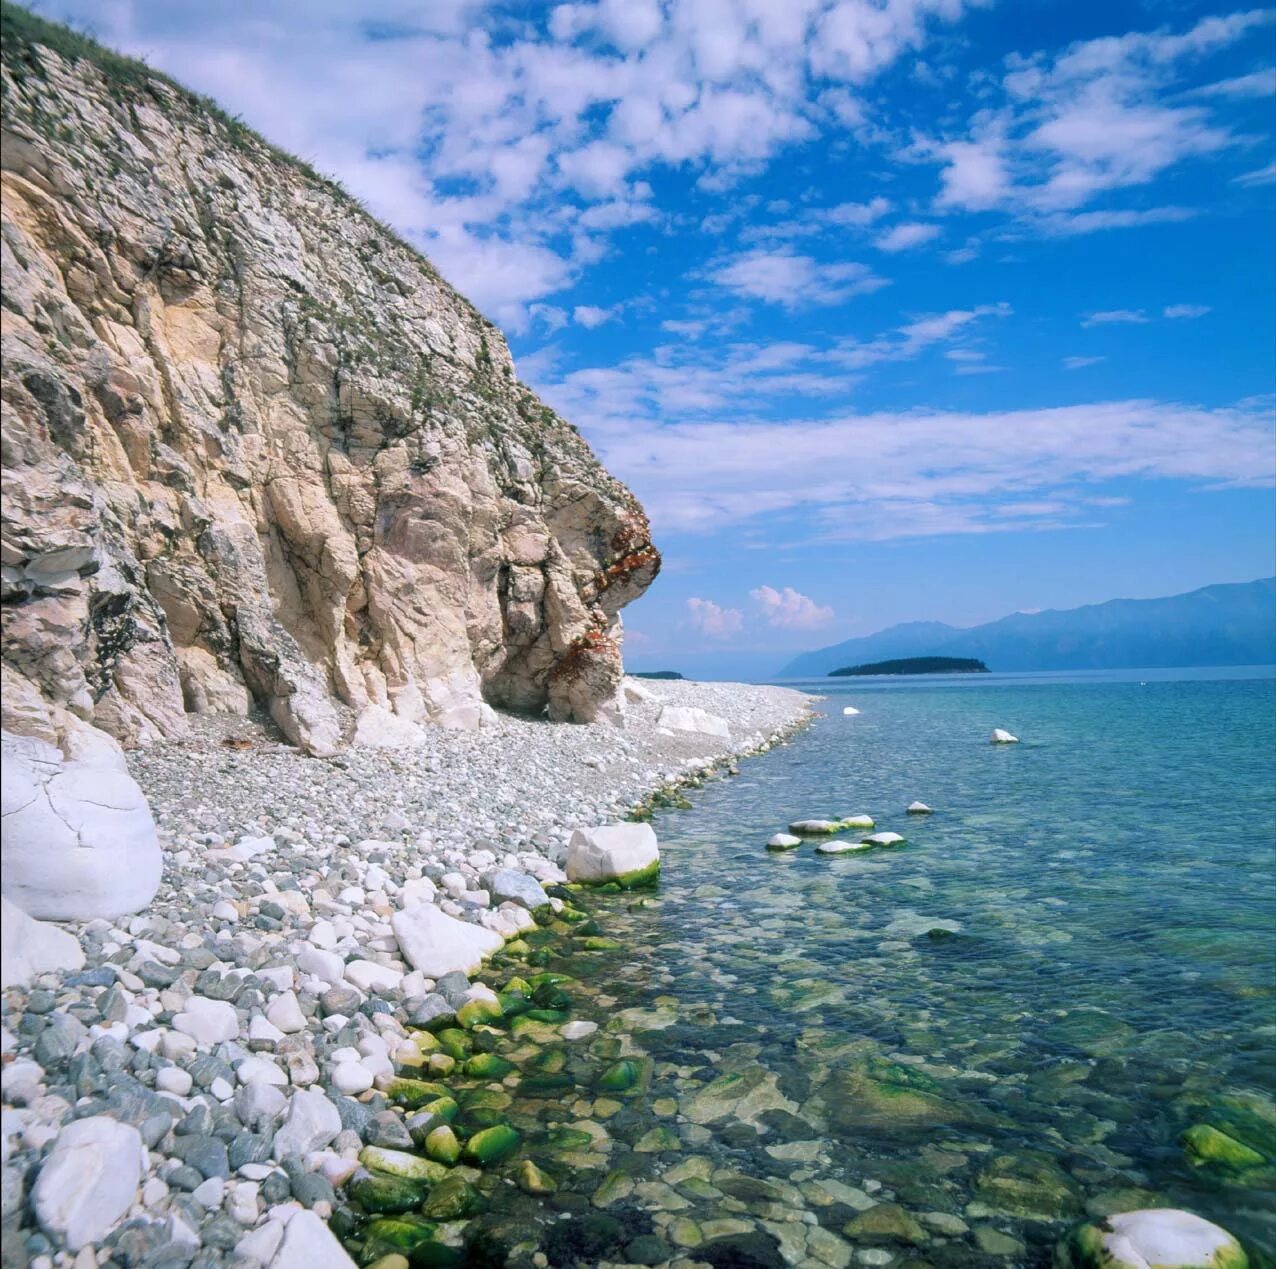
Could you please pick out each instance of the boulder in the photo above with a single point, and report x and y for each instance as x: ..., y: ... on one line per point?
x: 29, y: 948
x: 638, y: 694
x: 685, y: 718
x: 437, y: 944
x: 308, y: 1241
x: 850, y: 711
x: 88, y: 1180
x: 858, y: 821
x: 919, y: 808
x: 207, y: 1021
x: 1002, y: 737
x: 839, y: 846
x: 1162, y: 1237
x: 783, y: 841
x: 883, y: 839
x: 508, y: 885
x: 78, y: 840
x: 625, y: 853
x: 814, y: 827
x: 378, y: 728
x: 313, y: 1121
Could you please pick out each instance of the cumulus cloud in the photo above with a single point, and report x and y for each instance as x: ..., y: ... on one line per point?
x: 788, y: 609
x: 795, y: 281
x: 713, y: 621
x: 590, y: 315
x: 902, y: 237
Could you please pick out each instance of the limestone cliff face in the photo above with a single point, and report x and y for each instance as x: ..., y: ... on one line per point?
x: 255, y: 447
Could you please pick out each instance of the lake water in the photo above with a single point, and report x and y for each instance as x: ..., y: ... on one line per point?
x: 946, y: 1052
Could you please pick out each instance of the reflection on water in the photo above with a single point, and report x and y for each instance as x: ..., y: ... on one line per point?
x: 946, y: 1052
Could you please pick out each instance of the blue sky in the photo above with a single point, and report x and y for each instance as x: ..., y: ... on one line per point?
x: 886, y: 310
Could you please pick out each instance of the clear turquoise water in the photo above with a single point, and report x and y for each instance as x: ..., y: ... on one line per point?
x: 1112, y: 982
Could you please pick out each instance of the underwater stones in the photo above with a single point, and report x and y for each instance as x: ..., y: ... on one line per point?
x: 1002, y: 737
x: 910, y: 925
x: 533, y: 1180
x: 919, y: 808
x: 1207, y: 1145
x: 814, y: 828
x: 378, y: 1193
x: 1094, y: 1031
x: 487, y: 1066
x: 620, y: 1076
x: 839, y: 846
x: 783, y: 841
x: 743, y: 1095
x: 442, y: 1146
x: 1165, y: 1238
x: 754, y: 1250
x: 885, y: 1223
x: 396, y: 1236
x: 1029, y: 1185
x: 399, y: 1163
x: 491, y: 1145
x: 855, y: 1101
x: 883, y: 839
x: 437, y: 944
x: 451, y: 1199
x: 627, y: 854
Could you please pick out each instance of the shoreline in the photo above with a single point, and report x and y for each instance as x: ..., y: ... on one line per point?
x: 281, y: 874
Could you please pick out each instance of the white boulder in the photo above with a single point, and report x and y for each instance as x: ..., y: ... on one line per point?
x: 850, y: 711
x: 815, y: 826
x: 883, y: 839
x: 285, y: 1013
x: 78, y: 840
x: 839, y: 846
x: 29, y: 948
x: 858, y: 821
x: 1162, y: 1237
x: 637, y: 694
x: 308, y: 1241
x: 688, y: 718
x: 208, y: 1021
x: 783, y: 841
x: 1002, y: 737
x: 88, y: 1181
x: 436, y: 943
x: 370, y: 977
x: 613, y: 852
x: 919, y: 808
x: 378, y: 728
x: 313, y: 1121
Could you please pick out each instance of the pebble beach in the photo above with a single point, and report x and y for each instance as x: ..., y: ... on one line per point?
x: 206, y: 1088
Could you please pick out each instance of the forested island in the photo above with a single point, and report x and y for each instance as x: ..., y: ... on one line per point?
x: 914, y: 665
x: 669, y: 675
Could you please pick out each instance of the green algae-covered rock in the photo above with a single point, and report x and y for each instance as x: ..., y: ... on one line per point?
x: 551, y: 996
x: 1094, y: 1031
x: 657, y: 1139
x: 413, y: 1094
x: 491, y: 1145
x: 620, y: 1076
x: 742, y: 1095
x: 411, y: 1167
x: 857, y: 821
x: 566, y: 1140
x: 442, y: 1146
x: 454, y: 1042
x: 518, y: 986
x: 472, y: 1012
x: 855, y: 1102
x: 478, y: 1117
x: 554, y: 1017
x: 1163, y: 1238
x: 452, y: 1199
x: 548, y: 1085
x: 1030, y: 1185
x: 396, y: 1235
x: 597, y: 943
x: 487, y: 1066
x: 492, y: 1098
x: 1208, y: 1146
x: 381, y: 1194
x: 548, y: 1061
x: 525, y: 1027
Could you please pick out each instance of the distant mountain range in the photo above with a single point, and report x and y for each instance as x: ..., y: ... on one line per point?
x: 1231, y: 624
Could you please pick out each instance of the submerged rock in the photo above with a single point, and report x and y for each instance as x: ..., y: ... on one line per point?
x: 919, y: 808
x: 1165, y: 1238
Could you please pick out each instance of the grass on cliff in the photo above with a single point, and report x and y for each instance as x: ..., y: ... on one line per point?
x: 129, y: 78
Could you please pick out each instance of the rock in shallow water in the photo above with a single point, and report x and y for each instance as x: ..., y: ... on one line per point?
x: 625, y: 853
x: 1162, y: 1237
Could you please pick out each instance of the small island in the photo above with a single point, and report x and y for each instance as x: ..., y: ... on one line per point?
x: 915, y: 665
x: 656, y: 674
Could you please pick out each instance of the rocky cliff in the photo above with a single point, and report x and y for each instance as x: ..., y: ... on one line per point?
x: 255, y: 448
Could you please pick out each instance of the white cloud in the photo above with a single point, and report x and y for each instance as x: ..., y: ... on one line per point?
x: 789, y: 609
x: 795, y: 281
x: 713, y: 621
x: 1116, y: 317
x: 1071, y: 224
x: 910, y: 234
x: 1259, y: 176
x: 1080, y: 363
x: 1186, y: 310
x: 589, y: 315
x: 1261, y: 84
